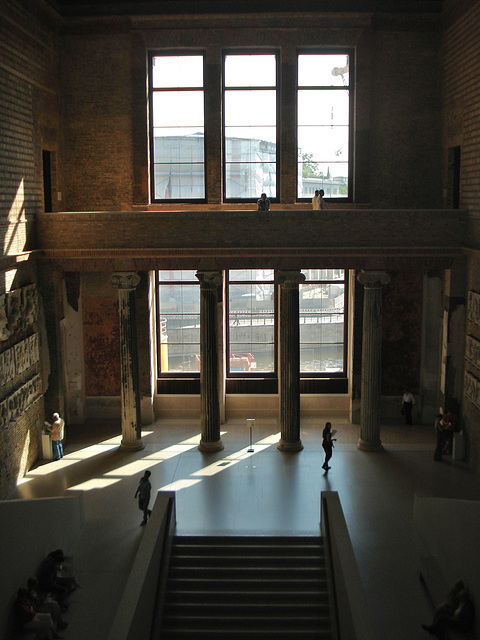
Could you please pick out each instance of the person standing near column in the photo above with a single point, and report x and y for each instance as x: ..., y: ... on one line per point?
x: 143, y: 492
x: 56, y: 430
x: 327, y: 444
x: 407, y: 405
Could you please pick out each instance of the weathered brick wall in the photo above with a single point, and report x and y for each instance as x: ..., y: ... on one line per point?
x: 461, y: 101
x: 97, y: 165
x: 398, y: 120
x: 21, y: 384
x: 402, y: 333
x: 101, y: 336
x: 28, y: 114
x: 405, y: 164
x: 29, y: 120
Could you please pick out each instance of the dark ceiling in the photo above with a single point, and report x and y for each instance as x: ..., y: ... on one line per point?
x: 196, y: 7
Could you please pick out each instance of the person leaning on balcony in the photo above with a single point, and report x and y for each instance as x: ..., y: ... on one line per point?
x: 263, y: 203
x: 315, y: 204
x: 321, y: 202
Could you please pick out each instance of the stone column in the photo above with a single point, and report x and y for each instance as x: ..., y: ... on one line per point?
x: 126, y: 281
x: 289, y: 361
x: 371, y: 359
x: 209, y: 369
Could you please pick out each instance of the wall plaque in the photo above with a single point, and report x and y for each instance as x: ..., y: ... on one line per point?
x: 473, y: 307
x: 472, y: 389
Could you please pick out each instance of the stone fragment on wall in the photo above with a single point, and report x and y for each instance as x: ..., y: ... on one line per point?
x: 15, y: 361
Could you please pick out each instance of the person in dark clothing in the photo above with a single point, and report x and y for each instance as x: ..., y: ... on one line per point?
x: 263, y: 203
x: 327, y: 444
x: 457, y: 612
x: 143, y: 493
x: 440, y: 434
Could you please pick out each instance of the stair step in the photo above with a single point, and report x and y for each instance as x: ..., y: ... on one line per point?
x: 264, y: 634
x: 241, y: 573
x: 313, y: 597
x: 244, y: 560
x: 247, y: 549
x: 248, y: 584
x: 251, y: 609
x: 271, y: 623
x: 247, y: 588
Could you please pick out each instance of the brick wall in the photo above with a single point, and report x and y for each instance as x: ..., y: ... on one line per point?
x: 398, y: 119
x: 28, y: 113
x: 101, y: 336
x: 461, y: 128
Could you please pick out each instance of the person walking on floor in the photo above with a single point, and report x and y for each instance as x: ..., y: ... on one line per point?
x: 143, y: 492
x: 327, y: 444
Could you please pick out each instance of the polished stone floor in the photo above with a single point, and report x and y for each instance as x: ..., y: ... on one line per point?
x: 264, y: 492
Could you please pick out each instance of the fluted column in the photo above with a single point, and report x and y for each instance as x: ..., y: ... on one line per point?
x: 373, y: 282
x: 126, y: 282
x: 289, y: 364
x: 209, y: 370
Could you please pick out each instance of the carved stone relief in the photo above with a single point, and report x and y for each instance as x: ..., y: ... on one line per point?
x: 18, y: 310
x: 4, y: 332
x: 20, y: 400
x: 472, y: 389
x: 14, y: 361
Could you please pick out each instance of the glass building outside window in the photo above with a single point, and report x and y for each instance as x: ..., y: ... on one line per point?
x: 177, y: 127
x: 250, y: 126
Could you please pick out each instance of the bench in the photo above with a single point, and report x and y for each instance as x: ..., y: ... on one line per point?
x: 437, y: 588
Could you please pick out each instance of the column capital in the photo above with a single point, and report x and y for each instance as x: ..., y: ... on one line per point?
x: 374, y: 279
x: 125, y: 279
x: 209, y: 279
x: 289, y: 278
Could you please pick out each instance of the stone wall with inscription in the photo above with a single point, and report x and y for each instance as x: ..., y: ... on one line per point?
x: 21, y: 390
x: 471, y: 387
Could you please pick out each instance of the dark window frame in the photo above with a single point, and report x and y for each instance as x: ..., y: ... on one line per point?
x: 348, y: 51
x: 151, y: 90
x: 231, y: 375
x: 162, y: 375
x: 324, y: 375
x: 251, y: 52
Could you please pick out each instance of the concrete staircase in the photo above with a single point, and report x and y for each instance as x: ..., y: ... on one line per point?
x: 247, y: 587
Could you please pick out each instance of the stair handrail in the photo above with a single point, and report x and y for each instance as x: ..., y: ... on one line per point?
x: 137, y: 609
x: 352, y: 611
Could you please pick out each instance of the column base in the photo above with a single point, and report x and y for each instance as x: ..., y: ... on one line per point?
x: 289, y: 447
x: 363, y: 445
x: 132, y: 446
x: 210, y: 447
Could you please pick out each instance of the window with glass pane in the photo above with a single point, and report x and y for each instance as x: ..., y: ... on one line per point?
x: 250, y: 118
x: 322, y: 322
x: 177, y: 125
x: 178, y: 320
x: 251, y: 321
x: 323, y: 124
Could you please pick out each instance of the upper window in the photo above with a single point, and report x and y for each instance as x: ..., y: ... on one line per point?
x: 177, y: 127
x: 323, y: 125
x: 250, y: 119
